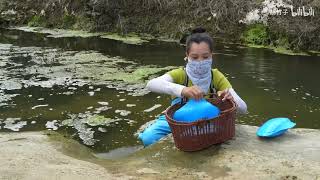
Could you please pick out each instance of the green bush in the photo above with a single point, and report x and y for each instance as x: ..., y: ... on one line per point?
x: 279, y: 39
x: 83, y: 23
x: 37, y: 21
x: 68, y: 21
x: 256, y: 34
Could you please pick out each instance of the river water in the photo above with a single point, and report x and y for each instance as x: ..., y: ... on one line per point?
x: 92, y: 89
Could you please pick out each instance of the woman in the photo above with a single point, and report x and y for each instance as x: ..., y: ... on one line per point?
x: 195, y: 81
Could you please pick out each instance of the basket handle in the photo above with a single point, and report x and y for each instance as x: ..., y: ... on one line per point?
x: 217, y: 98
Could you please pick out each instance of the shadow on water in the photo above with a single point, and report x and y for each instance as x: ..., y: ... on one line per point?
x: 272, y: 84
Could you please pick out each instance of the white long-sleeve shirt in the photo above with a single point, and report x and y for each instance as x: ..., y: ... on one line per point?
x: 164, y: 85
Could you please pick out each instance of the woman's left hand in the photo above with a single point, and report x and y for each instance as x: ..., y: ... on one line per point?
x: 225, y: 94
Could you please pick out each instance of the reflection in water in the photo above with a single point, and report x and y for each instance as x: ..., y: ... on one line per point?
x: 93, y: 89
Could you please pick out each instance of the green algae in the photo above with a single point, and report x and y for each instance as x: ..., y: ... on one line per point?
x: 98, y: 120
x: 101, y: 68
x: 138, y: 75
x: 280, y: 50
x: 60, y: 33
x: 90, y: 119
x: 317, y: 53
x: 57, y: 33
x: 64, y: 68
x: 128, y: 39
x: 76, y: 31
x: 51, y: 67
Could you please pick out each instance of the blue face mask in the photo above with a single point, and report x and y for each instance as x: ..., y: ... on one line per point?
x: 199, y: 68
x: 200, y: 73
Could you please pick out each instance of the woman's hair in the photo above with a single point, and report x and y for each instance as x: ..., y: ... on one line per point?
x: 199, y: 35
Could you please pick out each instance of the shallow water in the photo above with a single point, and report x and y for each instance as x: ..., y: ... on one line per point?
x: 92, y: 89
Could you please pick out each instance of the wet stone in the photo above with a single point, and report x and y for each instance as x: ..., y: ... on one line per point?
x: 14, y: 124
x: 123, y: 112
x: 52, y: 125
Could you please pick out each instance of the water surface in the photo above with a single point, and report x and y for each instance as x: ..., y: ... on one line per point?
x: 92, y: 89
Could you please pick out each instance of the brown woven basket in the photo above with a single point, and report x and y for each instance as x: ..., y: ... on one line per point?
x: 201, y: 134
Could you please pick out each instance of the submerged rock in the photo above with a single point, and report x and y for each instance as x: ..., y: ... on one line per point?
x: 91, y: 93
x: 83, y: 122
x: 52, y: 125
x: 14, y: 124
x: 101, y: 129
x: 123, y: 112
x: 101, y: 109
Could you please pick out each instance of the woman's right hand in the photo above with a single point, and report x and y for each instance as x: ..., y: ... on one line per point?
x: 193, y: 92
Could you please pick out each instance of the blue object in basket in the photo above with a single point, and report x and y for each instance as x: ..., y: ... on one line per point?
x: 195, y: 110
x: 275, y: 127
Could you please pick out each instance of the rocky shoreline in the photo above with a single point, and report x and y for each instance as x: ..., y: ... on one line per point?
x: 48, y: 155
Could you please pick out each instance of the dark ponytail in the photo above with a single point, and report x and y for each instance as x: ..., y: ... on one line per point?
x: 199, y: 35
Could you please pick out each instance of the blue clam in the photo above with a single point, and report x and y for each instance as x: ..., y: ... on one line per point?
x: 275, y: 127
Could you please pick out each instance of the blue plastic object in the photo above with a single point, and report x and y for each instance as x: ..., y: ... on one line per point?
x: 155, y: 131
x: 195, y: 110
x: 158, y: 129
x: 275, y: 127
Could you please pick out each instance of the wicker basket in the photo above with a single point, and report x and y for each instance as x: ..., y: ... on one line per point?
x: 203, y: 133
